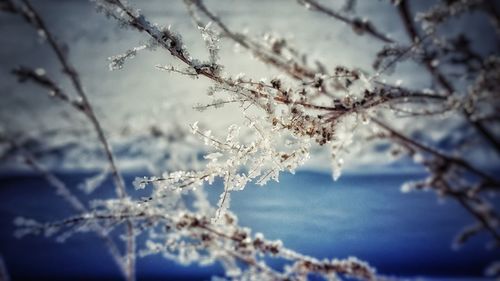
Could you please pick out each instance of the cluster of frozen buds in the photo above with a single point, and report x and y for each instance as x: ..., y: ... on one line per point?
x: 236, y: 163
x: 186, y: 235
x: 315, y: 110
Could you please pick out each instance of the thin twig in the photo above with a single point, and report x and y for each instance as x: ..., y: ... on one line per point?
x: 291, y: 67
x: 74, y: 77
x: 462, y: 197
x: 411, y: 29
x: 457, y: 161
x: 36, y: 20
x: 358, y: 25
x: 63, y: 191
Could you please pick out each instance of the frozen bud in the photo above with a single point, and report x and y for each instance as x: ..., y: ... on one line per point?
x: 40, y: 72
x: 140, y: 183
x: 418, y: 158
x: 194, y: 127
x: 240, y: 76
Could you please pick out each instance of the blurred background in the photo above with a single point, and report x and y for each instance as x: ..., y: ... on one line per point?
x: 147, y: 112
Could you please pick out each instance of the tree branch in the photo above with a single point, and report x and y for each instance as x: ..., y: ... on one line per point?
x: 359, y: 26
x: 408, y: 22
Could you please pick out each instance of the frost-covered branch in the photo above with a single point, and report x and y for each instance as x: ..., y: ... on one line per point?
x: 62, y: 190
x: 33, y: 18
x: 358, y: 25
x: 447, y: 180
x: 286, y: 117
x: 431, y: 19
x: 272, y: 54
x: 190, y: 237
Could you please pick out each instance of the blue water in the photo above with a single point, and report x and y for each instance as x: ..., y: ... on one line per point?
x: 359, y: 215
